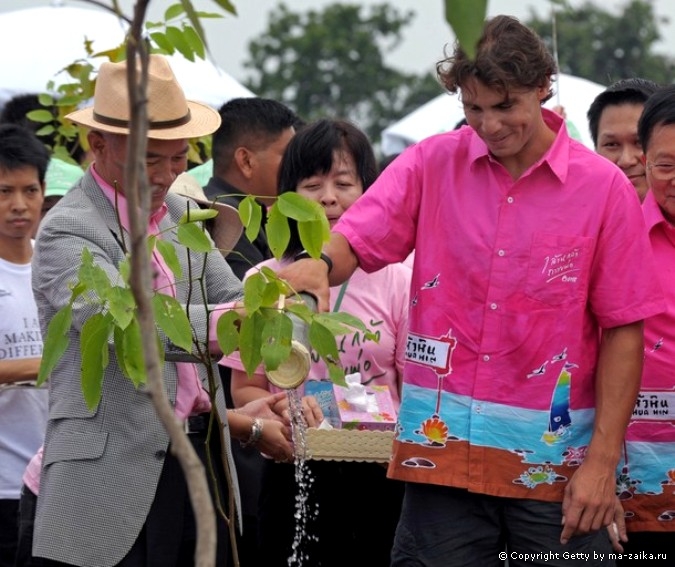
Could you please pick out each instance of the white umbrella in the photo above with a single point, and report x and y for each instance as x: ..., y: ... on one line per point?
x: 442, y: 113
x: 38, y: 42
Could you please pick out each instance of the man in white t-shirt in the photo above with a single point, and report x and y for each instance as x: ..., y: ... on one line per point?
x: 23, y: 407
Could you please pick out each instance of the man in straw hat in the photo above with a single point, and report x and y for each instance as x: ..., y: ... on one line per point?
x: 110, y: 491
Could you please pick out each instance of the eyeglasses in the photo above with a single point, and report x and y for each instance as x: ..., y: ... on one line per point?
x: 662, y: 171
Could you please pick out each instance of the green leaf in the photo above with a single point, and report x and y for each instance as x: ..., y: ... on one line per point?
x: 276, y: 340
x: 323, y: 341
x: 194, y: 35
x: 56, y: 342
x: 45, y: 99
x: 42, y: 116
x: 173, y: 11
x: 467, y: 20
x: 336, y: 374
x: 278, y: 232
x: 94, y: 352
x: 173, y: 320
x: 195, y: 41
x: 72, y: 100
x: 342, y: 318
x: 121, y: 304
x: 313, y: 234
x: 300, y: 208
x: 203, y: 15
x: 250, y: 342
x: 129, y: 351
x: 163, y: 42
x: 226, y: 5
x: 193, y: 237
x: 250, y: 213
x: 177, y: 38
x: 300, y: 309
x: 93, y: 276
x: 227, y: 331
x: 197, y: 214
x: 170, y: 257
x: 45, y: 130
x: 254, y: 287
x: 124, y: 269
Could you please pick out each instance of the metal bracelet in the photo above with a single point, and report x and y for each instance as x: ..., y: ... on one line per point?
x: 256, y: 433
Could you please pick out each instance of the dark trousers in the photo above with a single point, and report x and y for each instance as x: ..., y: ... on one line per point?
x: 168, y: 537
x: 442, y: 526
x: 9, y: 522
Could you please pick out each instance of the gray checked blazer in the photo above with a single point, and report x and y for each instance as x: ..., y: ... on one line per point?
x: 101, y: 468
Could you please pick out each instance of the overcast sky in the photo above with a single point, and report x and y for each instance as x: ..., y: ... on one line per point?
x: 423, y: 41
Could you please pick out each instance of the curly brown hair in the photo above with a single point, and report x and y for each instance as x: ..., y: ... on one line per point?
x: 508, y: 55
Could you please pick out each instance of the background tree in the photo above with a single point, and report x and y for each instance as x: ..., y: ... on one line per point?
x: 331, y: 63
x: 604, y: 47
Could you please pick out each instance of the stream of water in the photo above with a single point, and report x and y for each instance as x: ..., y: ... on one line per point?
x: 304, y: 513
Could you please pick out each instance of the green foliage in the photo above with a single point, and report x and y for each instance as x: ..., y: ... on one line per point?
x: 180, y: 31
x: 604, y: 47
x: 331, y: 63
x: 466, y: 20
x: 262, y: 333
x: 313, y: 226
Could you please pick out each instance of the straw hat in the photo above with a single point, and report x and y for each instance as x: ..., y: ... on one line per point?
x: 171, y: 116
x: 227, y: 227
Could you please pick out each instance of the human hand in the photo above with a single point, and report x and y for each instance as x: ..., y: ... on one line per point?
x: 589, y: 502
x: 309, y: 275
x: 311, y: 411
x: 275, y: 441
x: 264, y: 407
x: 617, y: 529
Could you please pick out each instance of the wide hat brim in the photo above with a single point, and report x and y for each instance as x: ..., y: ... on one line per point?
x: 204, y: 120
x: 170, y: 115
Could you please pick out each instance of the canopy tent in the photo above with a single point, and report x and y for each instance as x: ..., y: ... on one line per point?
x: 39, y: 42
x: 442, y: 113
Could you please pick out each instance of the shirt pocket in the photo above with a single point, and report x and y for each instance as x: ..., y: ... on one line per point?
x: 559, y: 268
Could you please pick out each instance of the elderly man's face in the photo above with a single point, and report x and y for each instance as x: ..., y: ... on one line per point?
x: 660, y: 162
x: 164, y: 160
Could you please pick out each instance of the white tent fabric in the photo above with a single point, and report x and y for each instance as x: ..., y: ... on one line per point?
x: 37, y: 43
x: 442, y: 113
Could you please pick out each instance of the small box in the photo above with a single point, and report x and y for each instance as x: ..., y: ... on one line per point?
x: 322, y: 390
x: 379, y: 416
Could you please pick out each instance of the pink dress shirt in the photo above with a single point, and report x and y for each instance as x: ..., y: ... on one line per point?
x: 512, y: 282
x: 647, y: 477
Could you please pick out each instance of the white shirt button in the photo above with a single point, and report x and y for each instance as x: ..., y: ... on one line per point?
x: 486, y: 357
x: 501, y: 253
x: 509, y: 200
x: 493, y: 306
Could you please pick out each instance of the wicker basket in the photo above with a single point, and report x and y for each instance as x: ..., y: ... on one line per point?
x: 349, y: 445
